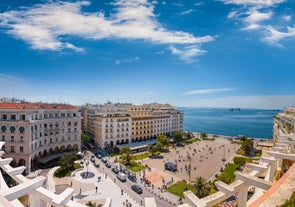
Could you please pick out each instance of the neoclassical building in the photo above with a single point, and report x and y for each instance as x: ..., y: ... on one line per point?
x: 38, y: 132
x: 112, y: 124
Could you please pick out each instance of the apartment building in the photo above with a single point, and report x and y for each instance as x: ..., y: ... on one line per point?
x: 38, y: 132
x: 284, y: 127
x: 112, y: 124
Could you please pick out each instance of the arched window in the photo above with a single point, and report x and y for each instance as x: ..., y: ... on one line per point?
x: 12, y: 129
x: 21, y: 129
x: 3, y: 128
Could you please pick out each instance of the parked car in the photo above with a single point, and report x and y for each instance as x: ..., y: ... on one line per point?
x: 99, y: 156
x: 108, y: 165
x: 115, y: 170
x: 104, y: 160
x: 92, y: 159
x: 136, y: 188
x: 96, y: 164
x: 122, y: 176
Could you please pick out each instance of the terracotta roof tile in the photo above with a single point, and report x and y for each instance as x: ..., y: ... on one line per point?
x: 11, y: 105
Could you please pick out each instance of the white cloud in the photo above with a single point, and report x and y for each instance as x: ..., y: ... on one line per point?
x: 187, y: 53
x: 253, y: 2
x: 186, y: 12
x: 274, y: 36
x: 287, y: 18
x: 208, y: 91
x: 199, y: 3
x: 257, y: 15
x: 50, y: 26
x: 5, y: 77
x: 127, y: 60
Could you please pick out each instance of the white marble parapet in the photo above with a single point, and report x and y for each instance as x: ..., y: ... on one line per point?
x: 223, y: 187
x: 252, y: 180
x: 64, y: 197
x: 23, y: 188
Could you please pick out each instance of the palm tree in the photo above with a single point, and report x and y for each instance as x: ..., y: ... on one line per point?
x: 202, y: 187
x: 126, y: 155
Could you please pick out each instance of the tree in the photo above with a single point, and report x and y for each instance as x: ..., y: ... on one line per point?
x: 152, y: 149
x: 247, y: 146
x: 188, y: 135
x: 202, y: 187
x: 203, y: 135
x: 177, y: 136
x: 155, y: 148
x: 67, y: 161
x: 85, y: 138
x: 163, y: 139
x: 126, y: 155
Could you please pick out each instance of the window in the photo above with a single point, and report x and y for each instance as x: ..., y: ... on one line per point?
x: 21, y: 139
x: 4, y: 117
x: 12, y: 139
x: 13, y: 117
x: 3, y: 128
x: 23, y: 117
x: 3, y: 137
x: 12, y: 129
x: 12, y: 149
x: 21, y: 149
x: 21, y: 129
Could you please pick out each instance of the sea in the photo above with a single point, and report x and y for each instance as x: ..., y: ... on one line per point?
x: 252, y: 123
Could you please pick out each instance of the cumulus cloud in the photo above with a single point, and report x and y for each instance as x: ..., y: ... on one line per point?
x: 186, y: 12
x: 187, y: 53
x: 127, y: 60
x: 207, y: 91
x: 257, y: 15
x: 50, y: 26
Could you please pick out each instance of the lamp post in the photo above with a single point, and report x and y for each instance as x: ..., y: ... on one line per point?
x: 223, y: 159
x: 87, y: 163
x: 189, y: 168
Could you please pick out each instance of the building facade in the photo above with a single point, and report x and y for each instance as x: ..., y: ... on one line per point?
x: 38, y: 132
x: 284, y: 127
x: 115, y: 124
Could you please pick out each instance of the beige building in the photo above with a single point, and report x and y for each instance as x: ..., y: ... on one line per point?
x: 38, y: 132
x: 284, y: 127
x: 114, y: 124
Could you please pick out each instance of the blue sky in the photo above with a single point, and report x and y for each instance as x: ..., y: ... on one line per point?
x: 222, y: 53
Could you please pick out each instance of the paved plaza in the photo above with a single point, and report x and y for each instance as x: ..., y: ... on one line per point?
x: 206, y: 161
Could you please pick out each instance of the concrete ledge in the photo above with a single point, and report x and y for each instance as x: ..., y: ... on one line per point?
x: 16, y: 171
x: 257, y: 167
x: 193, y: 200
x: 252, y: 180
x: 64, y: 197
x: 5, y: 161
x: 223, y: 187
x: 23, y: 188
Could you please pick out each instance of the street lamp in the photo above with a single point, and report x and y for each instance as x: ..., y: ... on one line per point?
x: 87, y: 163
x: 189, y: 168
x: 223, y: 159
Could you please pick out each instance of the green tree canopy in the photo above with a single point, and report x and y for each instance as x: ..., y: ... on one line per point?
x: 126, y: 155
x: 247, y: 146
x: 177, y: 136
x: 66, y: 162
x: 204, y: 135
x: 163, y: 139
x: 85, y: 138
x: 202, y: 187
x: 188, y: 135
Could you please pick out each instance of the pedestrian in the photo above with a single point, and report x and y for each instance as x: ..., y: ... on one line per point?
x: 80, y: 191
x: 71, y: 183
x: 121, y: 191
x: 96, y: 189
